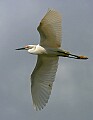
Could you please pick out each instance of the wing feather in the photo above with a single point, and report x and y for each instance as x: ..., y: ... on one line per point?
x: 50, y: 29
x: 42, y: 80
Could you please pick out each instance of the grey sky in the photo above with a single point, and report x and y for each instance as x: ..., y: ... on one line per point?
x: 72, y: 93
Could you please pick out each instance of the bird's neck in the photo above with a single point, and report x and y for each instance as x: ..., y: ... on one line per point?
x: 37, y: 50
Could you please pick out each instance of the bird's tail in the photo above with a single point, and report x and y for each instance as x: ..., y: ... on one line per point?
x: 69, y: 55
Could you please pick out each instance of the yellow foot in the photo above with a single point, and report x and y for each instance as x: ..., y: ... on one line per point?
x: 82, y: 57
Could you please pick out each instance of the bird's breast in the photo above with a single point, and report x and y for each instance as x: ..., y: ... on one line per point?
x: 40, y: 50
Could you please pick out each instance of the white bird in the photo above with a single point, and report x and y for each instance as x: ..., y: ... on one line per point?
x: 43, y: 76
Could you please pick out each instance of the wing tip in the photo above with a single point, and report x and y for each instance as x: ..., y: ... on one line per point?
x: 39, y: 107
x: 52, y: 9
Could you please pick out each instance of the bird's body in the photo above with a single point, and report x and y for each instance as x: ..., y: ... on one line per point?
x: 39, y: 50
x: 48, y: 52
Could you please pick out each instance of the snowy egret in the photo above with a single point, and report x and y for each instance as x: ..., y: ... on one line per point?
x: 43, y: 76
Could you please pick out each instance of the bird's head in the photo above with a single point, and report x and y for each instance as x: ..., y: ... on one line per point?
x: 27, y: 47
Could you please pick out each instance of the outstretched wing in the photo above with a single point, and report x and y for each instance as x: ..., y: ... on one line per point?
x: 50, y: 30
x: 42, y: 79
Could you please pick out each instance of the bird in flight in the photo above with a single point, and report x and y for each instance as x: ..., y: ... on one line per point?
x: 48, y: 51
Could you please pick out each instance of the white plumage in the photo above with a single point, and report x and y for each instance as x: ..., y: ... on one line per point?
x: 48, y: 52
x: 44, y: 73
x: 42, y: 80
x: 50, y: 30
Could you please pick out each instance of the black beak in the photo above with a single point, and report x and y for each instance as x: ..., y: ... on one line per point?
x: 20, y: 48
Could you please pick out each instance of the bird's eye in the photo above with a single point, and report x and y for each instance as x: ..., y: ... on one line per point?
x: 26, y: 46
